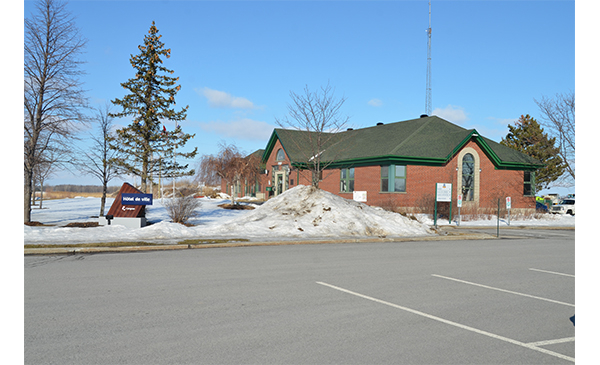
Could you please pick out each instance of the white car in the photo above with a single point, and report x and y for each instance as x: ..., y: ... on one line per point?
x: 567, y: 206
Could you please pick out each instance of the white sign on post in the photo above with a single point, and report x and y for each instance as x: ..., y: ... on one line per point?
x: 459, y: 200
x: 443, y: 192
x: 508, y: 203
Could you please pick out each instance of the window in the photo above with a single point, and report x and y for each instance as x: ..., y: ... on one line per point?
x: 347, y: 180
x: 468, y: 177
x: 529, y: 183
x: 393, y: 178
x: 280, y: 155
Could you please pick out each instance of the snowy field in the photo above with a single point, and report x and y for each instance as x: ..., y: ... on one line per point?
x: 296, y: 214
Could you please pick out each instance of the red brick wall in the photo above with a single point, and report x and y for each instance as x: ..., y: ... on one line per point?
x: 421, y: 180
x: 420, y: 183
x: 272, y: 160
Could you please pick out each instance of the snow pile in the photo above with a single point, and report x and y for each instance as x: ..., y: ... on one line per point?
x: 298, y: 213
x: 301, y: 212
x: 308, y: 212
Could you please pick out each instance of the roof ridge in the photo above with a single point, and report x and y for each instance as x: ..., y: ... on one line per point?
x: 412, y: 134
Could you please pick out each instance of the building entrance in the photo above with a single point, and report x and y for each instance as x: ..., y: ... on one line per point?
x: 279, y: 182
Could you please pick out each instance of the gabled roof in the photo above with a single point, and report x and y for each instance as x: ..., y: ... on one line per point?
x: 423, y: 141
x: 258, y: 153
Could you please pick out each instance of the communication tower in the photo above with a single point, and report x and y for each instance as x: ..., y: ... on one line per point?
x: 428, y: 86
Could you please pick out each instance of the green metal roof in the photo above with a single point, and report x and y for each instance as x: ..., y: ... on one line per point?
x: 423, y: 141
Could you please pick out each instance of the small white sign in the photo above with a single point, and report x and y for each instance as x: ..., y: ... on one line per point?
x: 360, y: 196
x: 508, y: 203
x: 443, y: 192
x: 459, y: 200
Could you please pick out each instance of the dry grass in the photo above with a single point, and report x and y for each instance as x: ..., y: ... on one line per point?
x: 203, y: 241
x: 200, y: 241
x: 51, y: 195
x: 37, y: 224
x: 97, y: 244
x: 209, y: 192
x: 236, y: 206
x: 83, y: 224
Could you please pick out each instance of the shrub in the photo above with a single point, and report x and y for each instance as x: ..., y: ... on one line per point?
x: 180, y: 209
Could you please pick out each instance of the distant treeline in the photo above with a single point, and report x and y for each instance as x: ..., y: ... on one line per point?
x: 80, y: 188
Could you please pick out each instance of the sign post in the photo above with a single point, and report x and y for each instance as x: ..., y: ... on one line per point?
x: 508, y: 204
x: 459, y: 205
x: 498, y: 220
x: 443, y: 193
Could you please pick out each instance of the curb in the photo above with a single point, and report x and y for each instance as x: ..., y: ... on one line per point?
x: 549, y: 228
x: 446, y: 236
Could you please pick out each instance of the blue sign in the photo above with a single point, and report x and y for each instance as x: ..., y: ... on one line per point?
x: 136, y: 199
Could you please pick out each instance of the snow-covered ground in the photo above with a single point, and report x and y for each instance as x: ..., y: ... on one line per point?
x: 296, y: 214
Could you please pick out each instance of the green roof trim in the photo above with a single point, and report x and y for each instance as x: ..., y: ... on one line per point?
x: 430, y: 141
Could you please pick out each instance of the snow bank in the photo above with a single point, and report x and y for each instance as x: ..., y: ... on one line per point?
x: 301, y: 212
x: 307, y: 212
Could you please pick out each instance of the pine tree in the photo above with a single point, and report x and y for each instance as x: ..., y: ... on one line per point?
x: 528, y: 136
x: 148, y: 148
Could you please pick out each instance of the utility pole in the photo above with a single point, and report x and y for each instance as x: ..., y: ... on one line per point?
x: 428, y: 86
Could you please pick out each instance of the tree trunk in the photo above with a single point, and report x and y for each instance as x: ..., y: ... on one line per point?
x: 41, y: 193
x: 33, y: 192
x: 315, y: 178
x: 233, y: 185
x: 27, y: 197
x: 144, y: 177
x: 103, y: 199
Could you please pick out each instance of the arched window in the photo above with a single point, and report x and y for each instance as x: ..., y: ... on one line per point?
x: 468, y: 177
x: 280, y: 155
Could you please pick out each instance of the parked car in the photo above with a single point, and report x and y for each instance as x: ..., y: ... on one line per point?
x: 541, y: 208
x: 566, y: 206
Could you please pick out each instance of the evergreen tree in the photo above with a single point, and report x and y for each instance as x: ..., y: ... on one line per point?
x: 149, y: 149
x: 528, y: 136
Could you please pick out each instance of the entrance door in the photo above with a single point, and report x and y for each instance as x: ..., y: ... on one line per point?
x: 279, y: 182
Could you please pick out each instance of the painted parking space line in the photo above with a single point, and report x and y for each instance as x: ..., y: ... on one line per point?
x: 503, y: 290
x: 552, y: 342
x: 553, y: 272
x: 531, y: 346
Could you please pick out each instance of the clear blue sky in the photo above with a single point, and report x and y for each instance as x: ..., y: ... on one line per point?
x: 239, y: 60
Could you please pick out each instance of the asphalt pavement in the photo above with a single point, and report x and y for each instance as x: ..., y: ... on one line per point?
x: 501, y: 301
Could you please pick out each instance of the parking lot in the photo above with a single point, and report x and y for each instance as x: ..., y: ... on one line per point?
x: 503, y: 301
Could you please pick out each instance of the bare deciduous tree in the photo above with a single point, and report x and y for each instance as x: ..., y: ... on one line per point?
x: 46, y: 166
x: 318, y: 113
x: 558, y: 116
x: 230, y: 165
x: 53, y: 96
x: 97, y: 160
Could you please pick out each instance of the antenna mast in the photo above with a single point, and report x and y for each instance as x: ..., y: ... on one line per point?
x: 428, y: 86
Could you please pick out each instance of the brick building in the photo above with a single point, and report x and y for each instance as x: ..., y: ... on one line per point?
x: 397, y: 165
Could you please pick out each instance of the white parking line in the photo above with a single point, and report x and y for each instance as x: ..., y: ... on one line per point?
x: 552, y: 272
x: 503, y: 290
x: 552, y: 342
x: 475, y: 330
